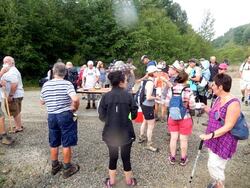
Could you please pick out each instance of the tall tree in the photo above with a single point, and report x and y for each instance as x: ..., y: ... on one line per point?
x: 206, y: 29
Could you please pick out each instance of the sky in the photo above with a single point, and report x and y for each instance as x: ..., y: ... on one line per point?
x: 227, y: 13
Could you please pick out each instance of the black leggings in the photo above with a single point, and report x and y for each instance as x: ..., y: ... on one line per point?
x: 125, y: 154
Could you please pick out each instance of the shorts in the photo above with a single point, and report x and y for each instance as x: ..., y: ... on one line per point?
x: 62, y: 129
x: 1, y: 112
x: 148, y: 112
x: 244, y: 85
x: 184, y: 126
x: 15, y: 106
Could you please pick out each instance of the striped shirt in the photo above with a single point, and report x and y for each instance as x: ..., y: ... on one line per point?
x: 187, y: 97
x: 56, y: 95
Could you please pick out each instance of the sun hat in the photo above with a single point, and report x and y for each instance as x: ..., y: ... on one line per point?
x: 152, y: 69
x: 121, y: 66
x: 177, y: 66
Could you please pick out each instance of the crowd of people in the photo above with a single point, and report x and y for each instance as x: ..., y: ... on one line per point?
x: 171, y: 95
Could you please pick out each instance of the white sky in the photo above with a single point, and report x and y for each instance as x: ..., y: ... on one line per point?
x: 227, y: 13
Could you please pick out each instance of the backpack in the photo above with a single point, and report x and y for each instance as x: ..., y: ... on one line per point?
x: 240, y: 130
x: 177, y: 110
x: 72, y: 75
x: 140, y: 95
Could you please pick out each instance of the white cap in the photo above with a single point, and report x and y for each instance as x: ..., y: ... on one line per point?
x: 90, y: 63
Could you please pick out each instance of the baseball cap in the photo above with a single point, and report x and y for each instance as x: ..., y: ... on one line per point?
x: 223, y: 66
x: 143, y: 57
x: 90, y: 63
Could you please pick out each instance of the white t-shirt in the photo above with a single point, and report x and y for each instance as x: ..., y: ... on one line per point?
x: 14, y: 76
x: 90, y: 76
x: 245, y: 71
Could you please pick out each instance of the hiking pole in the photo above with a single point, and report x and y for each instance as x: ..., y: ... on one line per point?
x: 195, y: 162
x: 8, y: 110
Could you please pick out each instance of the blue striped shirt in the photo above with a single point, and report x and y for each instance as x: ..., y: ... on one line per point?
x: 56, y: 95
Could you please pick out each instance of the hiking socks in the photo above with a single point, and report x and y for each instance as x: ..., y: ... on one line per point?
x: 66, y: 165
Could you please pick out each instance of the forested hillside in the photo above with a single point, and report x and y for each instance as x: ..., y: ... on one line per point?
x: 38, y: 32
x: 235, y: 44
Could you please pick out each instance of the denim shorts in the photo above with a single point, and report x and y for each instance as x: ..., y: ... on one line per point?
x: 62, y: 129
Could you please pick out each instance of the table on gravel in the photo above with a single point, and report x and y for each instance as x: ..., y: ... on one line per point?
x: 93, y: 91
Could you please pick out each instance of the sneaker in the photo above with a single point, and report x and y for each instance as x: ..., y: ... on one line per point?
x: 132, y: 183
x: 74, y: 168
x: 151, y: 148
x: 142, y: 139
x: 211, y: 185
x: 246, y: 103
x: 57, y: 168
x: 107, y: 183
x: 184, y: 161
x: 6, y: 140
x: 171, y: 160
x: 242, y: 99
x: 204, y: 124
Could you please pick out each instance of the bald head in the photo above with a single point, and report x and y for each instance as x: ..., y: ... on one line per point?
x: 9, y: 60
x: 69, y: 65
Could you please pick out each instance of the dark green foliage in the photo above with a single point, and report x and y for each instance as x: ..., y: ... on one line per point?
x: 38, y: 32
x: 234, y: 45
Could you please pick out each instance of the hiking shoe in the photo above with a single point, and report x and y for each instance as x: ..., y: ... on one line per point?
x: 151, y: 148
x: 74, y: 168
x: 107, y: 183
x: 242, y: 99
x: 6, y: 140
x: 55, y: 169
x: 246, y: 103
x: 142, y: 139
x: 184, y: 161
x: 211, y: 185
x: 132, y: 183
x: 88, y: 106
x: 171, y: 159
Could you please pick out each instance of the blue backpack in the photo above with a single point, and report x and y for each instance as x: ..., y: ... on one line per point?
x: 240, y: 130
x: 177, y: 110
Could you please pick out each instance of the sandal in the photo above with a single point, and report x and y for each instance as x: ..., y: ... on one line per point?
x: 18, y: 130
x: 133, y: 182
x: 107, y: 183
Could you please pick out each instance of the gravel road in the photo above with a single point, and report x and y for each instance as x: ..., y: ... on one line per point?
x: 26, y: 163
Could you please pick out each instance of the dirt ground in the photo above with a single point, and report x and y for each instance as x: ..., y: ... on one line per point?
x: 26, y: 163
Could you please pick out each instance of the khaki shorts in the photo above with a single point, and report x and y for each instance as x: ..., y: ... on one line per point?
x: 1, y: 112
x: 15, y: 106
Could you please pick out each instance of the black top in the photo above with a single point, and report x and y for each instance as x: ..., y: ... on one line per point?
x: 114, y: 110
x: 213, y: 70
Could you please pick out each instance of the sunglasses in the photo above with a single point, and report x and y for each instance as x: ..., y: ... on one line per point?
x: 222, y: 69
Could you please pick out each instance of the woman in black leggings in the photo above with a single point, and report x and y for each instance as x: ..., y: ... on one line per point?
x: 117, y: 108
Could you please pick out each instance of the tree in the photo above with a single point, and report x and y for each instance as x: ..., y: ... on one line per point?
x: 206, y: 29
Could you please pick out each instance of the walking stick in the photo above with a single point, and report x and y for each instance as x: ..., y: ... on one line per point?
x: 195, y: 163
x: 8, y: 110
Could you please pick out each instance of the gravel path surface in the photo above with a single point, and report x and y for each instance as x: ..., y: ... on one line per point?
x: 26, y: 163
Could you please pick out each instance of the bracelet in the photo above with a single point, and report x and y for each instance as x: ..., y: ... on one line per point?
x: 212, y: 135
